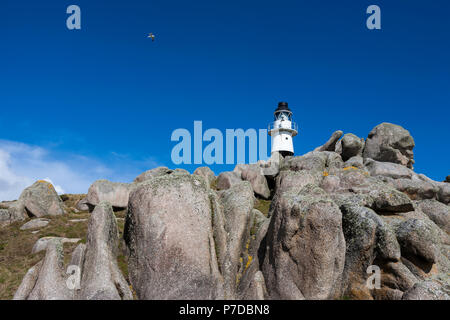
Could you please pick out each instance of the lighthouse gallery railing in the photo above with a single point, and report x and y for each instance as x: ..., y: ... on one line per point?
x: 283, y: 125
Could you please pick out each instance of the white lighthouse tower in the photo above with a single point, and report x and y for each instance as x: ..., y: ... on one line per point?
x: 282, y: 130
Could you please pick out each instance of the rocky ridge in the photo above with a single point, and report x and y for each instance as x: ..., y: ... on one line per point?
x: 349, y: 206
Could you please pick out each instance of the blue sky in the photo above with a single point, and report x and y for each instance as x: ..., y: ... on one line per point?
x: 102, y: 102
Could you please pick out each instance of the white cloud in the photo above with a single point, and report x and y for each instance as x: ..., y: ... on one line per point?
x: 22, y: 164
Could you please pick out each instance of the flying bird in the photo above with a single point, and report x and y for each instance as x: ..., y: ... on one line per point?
x: 151, y: 36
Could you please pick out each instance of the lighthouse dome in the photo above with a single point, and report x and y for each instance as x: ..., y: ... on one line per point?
x: 283, y: 107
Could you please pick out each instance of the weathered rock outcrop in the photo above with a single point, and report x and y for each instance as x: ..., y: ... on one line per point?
x: 367, y: 237
x: 330, y: 145
x: 237, y: 202
x: 115, y: 193
x: 227, y: 179
x: 419, y: 239
x: 42, y: 243
x: 438, y: 212
x: 35, y: 224
x: 46, y: 280
x: 170, y: 238
x: 252, y: 285
x: 390, y: 143
x: 254, y: 174
x: 157, y: 172
x: 41, y: 199
x: 416, y: 188
x: 427, y: 290
x: 387, y: 169
x: 82, y: 205
x: 38, y: 200
x: 5, y: 217
x: 350, y: 146
x: 206, y: 173
x: 153, y: 173
x: 331, y: 217
x: 28, y: 282
x: 444, y: 192
x: 305, y: 246
x: 101, y: 278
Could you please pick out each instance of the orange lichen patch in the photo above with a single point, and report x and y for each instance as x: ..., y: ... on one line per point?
x: 325, y: 174
x: 249, y: 262
x: 351, y: 167
x: 49, y: 185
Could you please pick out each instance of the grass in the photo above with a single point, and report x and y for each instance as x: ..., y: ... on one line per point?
x: 263, y: 206
x: 16, y: 245
x: 71, y: 200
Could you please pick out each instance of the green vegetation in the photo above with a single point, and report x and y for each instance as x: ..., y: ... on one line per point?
x: 16, y: 245
x: 263, y: 206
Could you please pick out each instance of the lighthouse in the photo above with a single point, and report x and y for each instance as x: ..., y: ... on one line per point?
x: 282, y: 130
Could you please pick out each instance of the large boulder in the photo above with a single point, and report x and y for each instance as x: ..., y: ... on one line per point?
x: 351, y: 146
x: 5, y: 217
x: 40, y: 200
x: 395, y: 275
x: 388, y: 142
x: 78, y: 256
x: 115, y: 193
x: 416, y: 188
x: 28, y: 282
x: 254, y: 174
x: 35, y: 224
x: 101, y: 277
x: 367, y: 237
x: 348, y: 179
x: 305, y: 246
x: 444, y: 193
x: 227, y: 179
x: 418, y: 238
x: 46, y: 280
x: 330, y: 145
x: 387, y: 169
x: 153, y: 173
x: 427, y: 290
x: 42, y: 243
x: 271, y: 166
x: 82, y: 205
x: 383, y: 198
x: 206, y: 173
x: 294, y: 180
x: 169, y: 234
x: 312, y: 161
x: 438, y: 212
x: 356, y: 161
